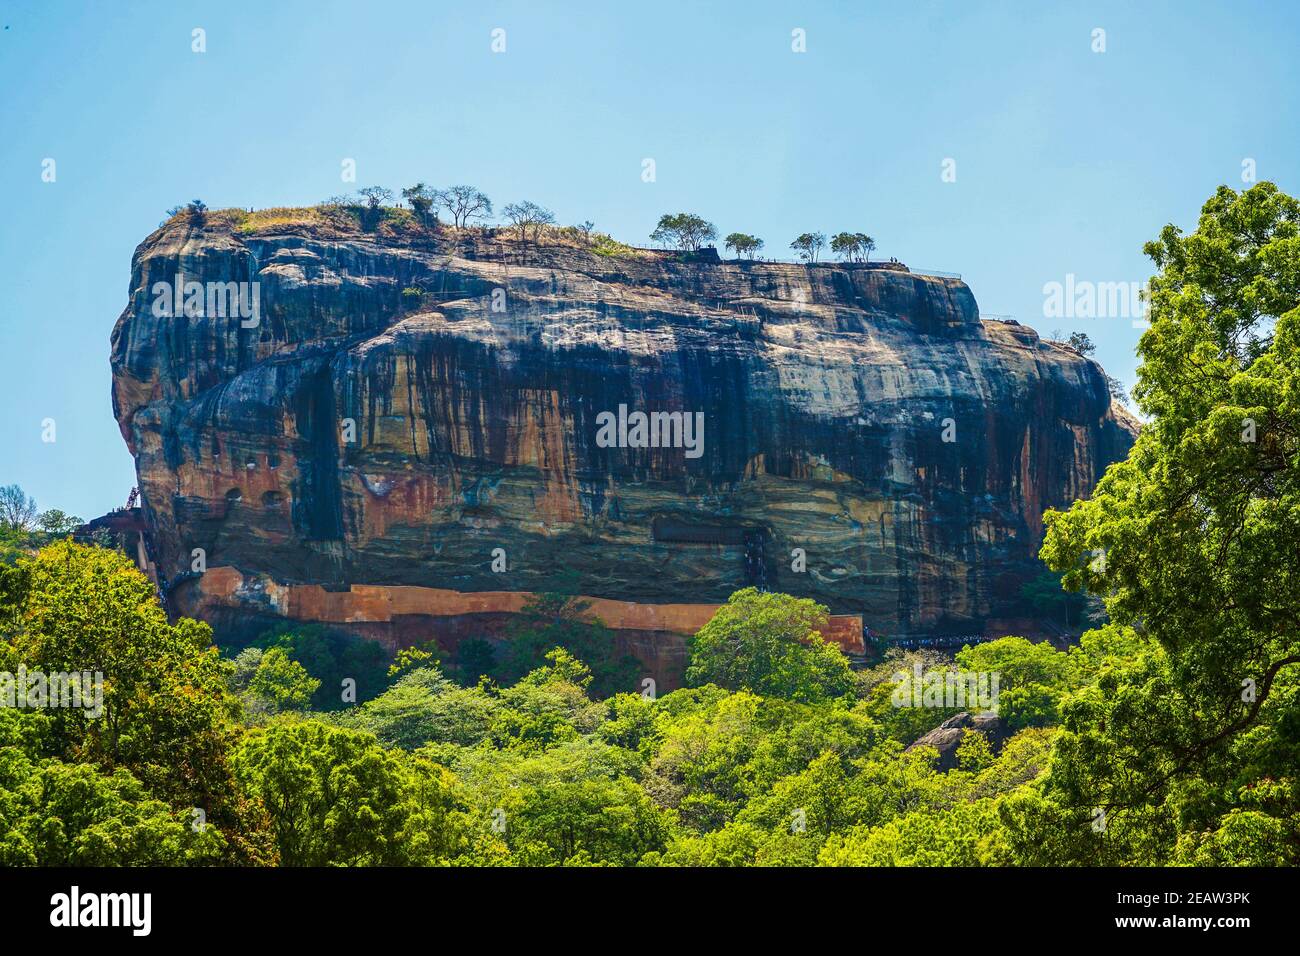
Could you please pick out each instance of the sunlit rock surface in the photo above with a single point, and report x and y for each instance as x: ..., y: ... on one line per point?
x: 359, y: 437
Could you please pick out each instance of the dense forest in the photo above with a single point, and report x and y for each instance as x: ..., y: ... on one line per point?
x: 1169, y: 735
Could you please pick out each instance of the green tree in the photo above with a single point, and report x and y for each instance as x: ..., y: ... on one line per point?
x: 58, y: 814
x: 421, y: 198
x: 244, y: 666
x: 423, y: 707
x: 547, y: 705
x: 743, y: 244
x: 584, y: 822
x: 1081, y: 343
x: 852, y: 246
x: 684, y: 230
x: 282, y: 682
x: 58, y: 523
x: 550, y: 620
x: 475, y: 658
x: 959, y: 836
x: 808, y: 245
x: 331, y: 657
x: 333, y: 796
x: 1190, y: 544
x: 770, y: 644
x: 167, y: 714
x: 409, y: 658
x: 1044, y: 594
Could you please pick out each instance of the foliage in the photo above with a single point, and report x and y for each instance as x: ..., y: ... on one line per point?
x: 422, y: 200
x: 853, y: 246
x: 1170, y: 735
x: 684, y: 230
x: 808, y: 245
x: 802, y: 762
x: 332, y: 658
x: 1190, y: 544
x: 1049, y: 600
x: 1117, y: 391
x: 475, y: 658
x: 160, y: 710
x: 744, y: 244
x: 770, y: 644
x: 282, y: 682
x: 552, y: 620
x: 337, y: 797
x: 1081, y: 343
x: 54, y: 813
x: 409, y: 658
x: 610, y: 248
x: 57, y: 523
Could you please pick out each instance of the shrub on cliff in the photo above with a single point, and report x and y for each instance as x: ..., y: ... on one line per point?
x: 422, y: 200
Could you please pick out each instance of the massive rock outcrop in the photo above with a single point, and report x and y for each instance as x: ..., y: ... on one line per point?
x: 400, y: 408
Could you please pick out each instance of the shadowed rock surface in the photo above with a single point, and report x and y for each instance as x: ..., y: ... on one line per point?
x: 947, y: 737
x: 824, y: 392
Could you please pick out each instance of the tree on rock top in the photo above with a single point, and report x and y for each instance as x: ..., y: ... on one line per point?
x: 684, y: 230
x: 744, y: 244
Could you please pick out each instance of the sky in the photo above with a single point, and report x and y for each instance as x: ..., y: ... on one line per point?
x: 1008, y: 142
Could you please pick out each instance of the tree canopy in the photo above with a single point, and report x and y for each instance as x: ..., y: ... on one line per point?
x: 853, y: 246
x: 1190, y: 545
x: 808, y: 245
x: 1170, y: 735
x: 684, y: 230
x: 743, y: 244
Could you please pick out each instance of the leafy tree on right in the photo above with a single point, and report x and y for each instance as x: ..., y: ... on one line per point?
x: 1186, y: 748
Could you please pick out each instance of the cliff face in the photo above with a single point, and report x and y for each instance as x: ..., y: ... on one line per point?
x: 394, y: 412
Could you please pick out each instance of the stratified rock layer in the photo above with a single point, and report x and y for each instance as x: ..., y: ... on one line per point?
x: 827, y: 394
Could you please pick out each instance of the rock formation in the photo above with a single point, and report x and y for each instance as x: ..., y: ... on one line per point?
x: 947, y: 737
x: 405, y: 431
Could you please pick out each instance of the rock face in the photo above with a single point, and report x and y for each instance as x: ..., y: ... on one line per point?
x: 396, y: 411
x: 947, y: 737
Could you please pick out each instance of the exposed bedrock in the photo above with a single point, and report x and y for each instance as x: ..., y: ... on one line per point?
x: 363, y: 435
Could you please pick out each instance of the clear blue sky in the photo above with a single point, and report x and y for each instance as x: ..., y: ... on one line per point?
x: 1067, y: 160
